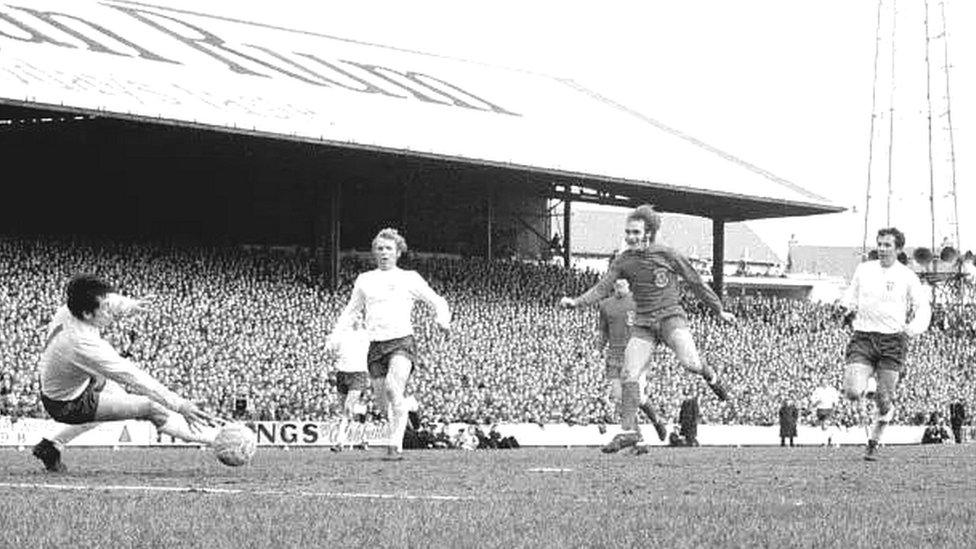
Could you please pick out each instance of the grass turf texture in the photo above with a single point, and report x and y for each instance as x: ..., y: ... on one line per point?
x: 915, y: 496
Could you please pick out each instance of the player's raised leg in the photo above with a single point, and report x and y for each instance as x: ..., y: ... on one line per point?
x: 679, y: 338
x: 115, y: 406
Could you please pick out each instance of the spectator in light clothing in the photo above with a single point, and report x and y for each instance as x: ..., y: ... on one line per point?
x: 823, y: 402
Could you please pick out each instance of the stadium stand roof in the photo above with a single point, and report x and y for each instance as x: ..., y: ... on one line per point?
x: 158, y: 62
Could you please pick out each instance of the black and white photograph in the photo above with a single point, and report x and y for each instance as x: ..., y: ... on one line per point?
x: 487, y: 274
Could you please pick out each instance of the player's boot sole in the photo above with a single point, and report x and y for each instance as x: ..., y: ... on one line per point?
x: 621, y: 441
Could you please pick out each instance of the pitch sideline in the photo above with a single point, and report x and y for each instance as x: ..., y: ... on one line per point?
x: 228, y: 491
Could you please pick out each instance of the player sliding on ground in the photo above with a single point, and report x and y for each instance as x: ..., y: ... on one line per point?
x: 385, y: 297
x: 883, y: 295
x: 653, y: 271
x: 81, y: 376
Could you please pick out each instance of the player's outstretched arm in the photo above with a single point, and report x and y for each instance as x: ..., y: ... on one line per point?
x: 442, y: 311
x: 599, y: 290
x: 120, y: 305
x: 98, y: 357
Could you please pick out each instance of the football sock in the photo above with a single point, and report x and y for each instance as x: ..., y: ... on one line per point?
x: 398, y: 425
x: 342, y: 436
x: 67, y: 433
x: 708, y: 374
x: 880, y: 423
x: 630, y: 400
x: 176, y: 426
x: 649, y: 411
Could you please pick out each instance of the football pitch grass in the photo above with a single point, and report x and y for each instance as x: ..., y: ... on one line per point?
x: 915, y: 496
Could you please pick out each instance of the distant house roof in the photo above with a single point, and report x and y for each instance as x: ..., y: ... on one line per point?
x: 601, y: 232
x: 824, y: 260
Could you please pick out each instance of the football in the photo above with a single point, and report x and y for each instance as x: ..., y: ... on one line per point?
x: 235, y: 445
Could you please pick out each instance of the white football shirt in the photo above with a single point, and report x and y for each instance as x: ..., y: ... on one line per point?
x: 824, y: 398
x: 885, y: 297
x: 386, y: 299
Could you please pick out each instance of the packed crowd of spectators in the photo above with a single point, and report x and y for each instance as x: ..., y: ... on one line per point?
x: 232, y: 325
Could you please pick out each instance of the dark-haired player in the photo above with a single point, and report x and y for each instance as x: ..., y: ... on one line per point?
x: 889, y: 305
x: 81, y: 375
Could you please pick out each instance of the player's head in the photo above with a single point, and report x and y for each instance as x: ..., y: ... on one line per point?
x: 85, y: 295
x: 388, y: 246
x: 890, y: 242
x: 621, y: 287
x: 642, y: 226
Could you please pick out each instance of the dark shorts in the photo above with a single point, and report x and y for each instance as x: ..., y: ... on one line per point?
x: 881, y: 351
x: 615, y: 364
x: 351, y: 381
x: 824, y: 414
x: 380, y: 353
x: 659, y: 331
x: 79, y: 410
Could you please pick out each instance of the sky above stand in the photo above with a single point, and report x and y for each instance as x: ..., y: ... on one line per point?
x: 785, y: 85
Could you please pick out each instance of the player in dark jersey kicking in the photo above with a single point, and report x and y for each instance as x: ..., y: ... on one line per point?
x: 653, y: 271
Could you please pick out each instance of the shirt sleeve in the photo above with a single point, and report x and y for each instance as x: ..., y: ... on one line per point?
x: 920, y: 303
x: 99, y: 358
x: 603, y: 287
x: 695, y: 282
x: 357, y: 301
x: 422, y: 291
x: 848, y: 299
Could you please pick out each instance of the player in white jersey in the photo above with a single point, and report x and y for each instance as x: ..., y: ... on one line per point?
x: 890, y: 306
x: 352, y: 377
x: 823, y: 401
x: 81, y: 376
x: 385, y: 297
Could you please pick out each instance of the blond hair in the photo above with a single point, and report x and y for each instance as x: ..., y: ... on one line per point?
x: 392, y: 234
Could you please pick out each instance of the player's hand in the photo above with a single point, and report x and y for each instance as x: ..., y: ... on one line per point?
x: 196, y: 418
x: 567, y: 303
x: 143, y: 304
x: 727, y: 317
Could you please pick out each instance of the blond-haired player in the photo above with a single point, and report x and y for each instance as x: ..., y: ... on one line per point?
x: 385, y: 297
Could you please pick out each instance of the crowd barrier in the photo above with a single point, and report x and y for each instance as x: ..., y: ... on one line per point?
x: 26, y: 432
